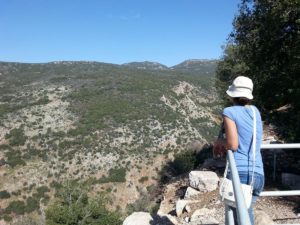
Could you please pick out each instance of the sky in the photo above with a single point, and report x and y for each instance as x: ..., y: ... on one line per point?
x: 114, y: 31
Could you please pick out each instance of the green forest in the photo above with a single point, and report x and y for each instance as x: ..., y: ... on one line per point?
x: 265, y: 46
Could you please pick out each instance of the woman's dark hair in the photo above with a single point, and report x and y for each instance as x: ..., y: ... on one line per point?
x: 241, y: 101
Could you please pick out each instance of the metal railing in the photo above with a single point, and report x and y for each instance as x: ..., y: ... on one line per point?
x: 275, y: 148
x: 279, y: 146
x: 241, y: 209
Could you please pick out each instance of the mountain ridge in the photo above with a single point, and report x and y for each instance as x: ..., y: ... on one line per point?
x: 133, y: 63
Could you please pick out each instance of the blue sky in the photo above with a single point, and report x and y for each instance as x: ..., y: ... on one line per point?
x: 114, y: 31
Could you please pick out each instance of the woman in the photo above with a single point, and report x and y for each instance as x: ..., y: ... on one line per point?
x: 238, y: 123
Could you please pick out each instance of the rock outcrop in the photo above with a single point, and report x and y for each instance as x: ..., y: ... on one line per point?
x: 190, y: 193
x: 204, y: 181
x: 262, y: 218
x: 204, y: 216
x: 138, y: 218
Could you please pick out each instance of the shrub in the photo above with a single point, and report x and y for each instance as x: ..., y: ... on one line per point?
x: 75, y: 207
x: 41, y: 190
x: 32, y: 204
x: 7, y: 218
x: 4, y: 194
x: 17, y: 207
x: 143, y: 179
x: 14, y: 158
x: 16, y: 137
x: 115, y: 175
x: 144, y: 204
x: 42, y: 101
x: 183, y: 162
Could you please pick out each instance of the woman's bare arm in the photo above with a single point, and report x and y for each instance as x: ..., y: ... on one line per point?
x: 232, y: 141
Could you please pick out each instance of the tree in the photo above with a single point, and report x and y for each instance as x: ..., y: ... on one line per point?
x: 265, y: 46
x: 74, y: 206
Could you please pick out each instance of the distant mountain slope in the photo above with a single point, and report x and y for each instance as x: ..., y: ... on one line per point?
x: 197, y: 65
x: 102, y: 123
x: 147, y: 65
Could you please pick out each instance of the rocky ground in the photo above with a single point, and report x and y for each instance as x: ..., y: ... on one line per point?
x: 186, y: 205
x: 281, y: 210
x: 186, y: 202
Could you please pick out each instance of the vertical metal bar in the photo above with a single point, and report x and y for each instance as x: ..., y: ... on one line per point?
x: 241, y: 208
x: 274, y: 165
x: 229, y: 219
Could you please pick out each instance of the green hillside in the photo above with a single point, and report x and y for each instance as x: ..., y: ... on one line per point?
x: 97, y: 123
x: 201, y: 66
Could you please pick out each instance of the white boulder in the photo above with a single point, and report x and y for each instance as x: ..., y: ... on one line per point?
x: 204, y: 181
x: 204, y: 216
x: 180, y: 205
x: 191, y: 192
x: 138, y: 218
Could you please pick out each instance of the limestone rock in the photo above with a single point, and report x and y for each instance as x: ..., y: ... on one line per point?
x: 262, y: 218
x: 204, y: 216
x: 191, y: 192
x: 138, y: 218
x: 188, y: 208
x: 180, y: 205
x: 204, y: 181
x: 186, y: 219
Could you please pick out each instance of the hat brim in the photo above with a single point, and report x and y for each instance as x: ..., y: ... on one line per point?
x: 235, y: 93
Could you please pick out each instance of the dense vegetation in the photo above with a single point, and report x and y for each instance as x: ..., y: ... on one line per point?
x: 97, y: 124
x: 265, y: 46
x: 74, y: 206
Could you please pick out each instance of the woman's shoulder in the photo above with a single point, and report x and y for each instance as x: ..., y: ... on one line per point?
x: 256, y: 109
x: 229, y: 112
x: 239, y: 107
x: 230, y: 108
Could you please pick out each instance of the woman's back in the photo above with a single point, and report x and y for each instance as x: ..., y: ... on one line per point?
x: 243, y: 118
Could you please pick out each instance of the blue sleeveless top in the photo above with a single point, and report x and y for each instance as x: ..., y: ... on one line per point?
x: 243, y: 118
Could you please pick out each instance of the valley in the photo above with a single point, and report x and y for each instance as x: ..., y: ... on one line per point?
x: 112, y: 127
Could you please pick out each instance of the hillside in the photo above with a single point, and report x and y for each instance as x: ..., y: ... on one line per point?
x: 147, y: 65
x: 112, y: 126
x: 202, y: 66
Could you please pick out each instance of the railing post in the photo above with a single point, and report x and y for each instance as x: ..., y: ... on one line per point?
x: 229, y: 219
x: 274, y: 165
x: 241, y: 208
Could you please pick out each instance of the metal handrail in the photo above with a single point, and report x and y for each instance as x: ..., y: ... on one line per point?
x: 242, y: 211
x: 279, y: 193
x: 280, y: 146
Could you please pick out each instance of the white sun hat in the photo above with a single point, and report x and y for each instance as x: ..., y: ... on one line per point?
x: 241, y: 87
